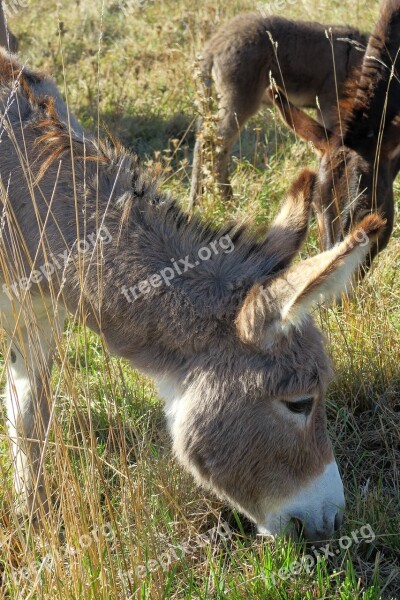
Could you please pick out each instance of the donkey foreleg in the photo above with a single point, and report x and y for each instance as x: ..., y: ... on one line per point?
x: 28, y: 402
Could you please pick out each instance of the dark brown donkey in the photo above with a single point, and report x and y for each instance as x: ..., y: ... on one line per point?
x: 360, y: 158
x: 244, y: 54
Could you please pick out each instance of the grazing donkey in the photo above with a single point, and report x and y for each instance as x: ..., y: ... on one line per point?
x: 7, y: 39
x: 245, y: 53
x: 360, y: 156
x: 219, y: 319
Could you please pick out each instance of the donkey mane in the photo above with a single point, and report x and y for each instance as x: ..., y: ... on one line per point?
x: 56, y: 139
x: 364, y: 89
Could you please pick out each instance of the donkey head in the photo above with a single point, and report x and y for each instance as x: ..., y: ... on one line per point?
x: 361, y: 158
x: 251, y: 421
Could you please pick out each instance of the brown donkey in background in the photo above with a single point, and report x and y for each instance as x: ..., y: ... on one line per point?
x: 7, y: 39
x: 240, y: 60
x: 218, y: 318
x: 360, y: 156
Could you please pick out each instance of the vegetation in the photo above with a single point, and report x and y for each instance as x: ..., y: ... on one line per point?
x: 125, y: 517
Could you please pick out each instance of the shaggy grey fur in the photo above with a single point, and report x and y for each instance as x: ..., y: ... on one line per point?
x: 227, y: 393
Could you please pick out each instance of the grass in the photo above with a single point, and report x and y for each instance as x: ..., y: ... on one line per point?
x: 126, y: 518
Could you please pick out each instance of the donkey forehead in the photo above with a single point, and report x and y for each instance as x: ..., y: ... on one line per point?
x: 300, y: 361
x: 345, y: 167
x: 296, y: 363
x: 341, y: 156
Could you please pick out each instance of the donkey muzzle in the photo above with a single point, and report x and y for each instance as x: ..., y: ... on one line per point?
x: 316, y: 511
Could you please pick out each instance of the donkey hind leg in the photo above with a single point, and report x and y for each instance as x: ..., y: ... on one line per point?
x: 27, y: 399
x: 228, y: 131
x: 229, y: 127
x: 236, y: 108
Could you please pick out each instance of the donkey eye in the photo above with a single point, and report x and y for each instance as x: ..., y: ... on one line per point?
x: 301, y: 407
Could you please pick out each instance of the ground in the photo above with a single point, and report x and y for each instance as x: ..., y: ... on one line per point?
x: 130, y: 517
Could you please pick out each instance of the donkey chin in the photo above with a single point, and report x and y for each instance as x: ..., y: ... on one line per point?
x: 315, y: 512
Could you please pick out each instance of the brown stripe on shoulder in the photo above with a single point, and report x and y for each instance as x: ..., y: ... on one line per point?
x: 11, y: 72
x: 53, y: 136
x: 55, y: 139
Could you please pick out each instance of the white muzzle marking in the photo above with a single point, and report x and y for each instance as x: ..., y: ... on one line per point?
x: 319, y: 507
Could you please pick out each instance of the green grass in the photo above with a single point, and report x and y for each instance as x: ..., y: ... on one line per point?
x: 109, y: 461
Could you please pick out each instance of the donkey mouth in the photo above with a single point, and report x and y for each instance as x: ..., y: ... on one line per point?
x: 294, y: 529
x: 315, y: 513
x: 298, y: 530
x: 298, y: 527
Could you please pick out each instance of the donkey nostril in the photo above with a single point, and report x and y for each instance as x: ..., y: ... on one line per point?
x: 298, y: 526
x: 338, y: 521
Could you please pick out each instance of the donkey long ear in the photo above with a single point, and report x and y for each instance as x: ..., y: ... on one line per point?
x: 376, y: 94
x: 283, y: 302
x: 289, y: 228
x: 303, y: 125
